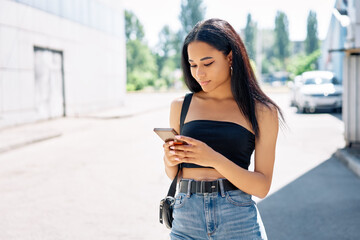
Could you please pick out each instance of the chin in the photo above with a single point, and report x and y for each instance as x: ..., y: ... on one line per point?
x: 205, y: 90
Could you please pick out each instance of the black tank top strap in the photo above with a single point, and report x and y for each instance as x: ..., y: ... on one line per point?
x: 185, y: 108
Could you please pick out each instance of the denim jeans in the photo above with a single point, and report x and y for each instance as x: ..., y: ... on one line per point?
x: 219, y: 215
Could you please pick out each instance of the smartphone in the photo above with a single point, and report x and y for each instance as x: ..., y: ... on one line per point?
x: 168, y: 134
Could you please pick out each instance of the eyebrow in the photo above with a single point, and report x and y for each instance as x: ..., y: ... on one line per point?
x: 204, y: 58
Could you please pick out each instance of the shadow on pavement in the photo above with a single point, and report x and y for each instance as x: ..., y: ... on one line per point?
x: 324, y: 203
x: 337, y: 115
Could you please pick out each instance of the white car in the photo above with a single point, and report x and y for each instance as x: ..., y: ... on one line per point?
x: 294, y: 89
x: 318, y: 90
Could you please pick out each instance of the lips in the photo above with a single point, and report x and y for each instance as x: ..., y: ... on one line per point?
x: 204, y: 83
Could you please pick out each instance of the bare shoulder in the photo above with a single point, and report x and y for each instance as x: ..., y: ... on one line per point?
x: 176, y: 104
x: 267, y: 116
x: 266, y: 111
x: 175, y: 111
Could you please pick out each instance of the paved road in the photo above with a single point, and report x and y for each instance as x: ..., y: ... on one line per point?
x: 103, y: 179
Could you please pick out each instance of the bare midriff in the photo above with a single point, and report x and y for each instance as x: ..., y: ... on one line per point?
x: 198, y: 174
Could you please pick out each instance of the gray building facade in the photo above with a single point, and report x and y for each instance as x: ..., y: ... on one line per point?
x: 60, y: 58
x: 341, y: 54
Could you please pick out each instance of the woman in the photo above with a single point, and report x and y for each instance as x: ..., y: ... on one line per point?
x: 223, y: 120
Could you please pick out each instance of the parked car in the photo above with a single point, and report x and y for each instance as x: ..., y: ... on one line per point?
x: 294, y: 86
x: 317, y: 90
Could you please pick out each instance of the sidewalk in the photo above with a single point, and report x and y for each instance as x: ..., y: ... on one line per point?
x: 350, y: 157
x: 321, y: 204
x: 135, y: 103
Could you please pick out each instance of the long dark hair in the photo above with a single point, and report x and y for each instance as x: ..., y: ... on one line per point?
x: 244, y: 86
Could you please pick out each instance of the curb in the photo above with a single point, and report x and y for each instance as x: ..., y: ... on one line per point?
x: 18, y: 143
x: 350, y: 160
x: 107, y: 115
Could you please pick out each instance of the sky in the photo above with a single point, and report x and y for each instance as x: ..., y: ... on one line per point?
x: 155, y: 14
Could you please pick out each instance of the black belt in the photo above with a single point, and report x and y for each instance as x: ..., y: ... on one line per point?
x: 205, y: 186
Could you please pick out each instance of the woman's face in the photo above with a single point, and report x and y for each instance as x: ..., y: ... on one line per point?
x: 209, y: 66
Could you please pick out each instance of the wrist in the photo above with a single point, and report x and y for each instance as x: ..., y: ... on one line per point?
x: 217, y: 160
x: 168, y: 165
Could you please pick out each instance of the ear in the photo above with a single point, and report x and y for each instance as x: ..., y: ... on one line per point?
x: 229, y: 58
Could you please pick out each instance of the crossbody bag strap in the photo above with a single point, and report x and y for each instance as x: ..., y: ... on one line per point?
x: 172, y: 188
x: 185, y: 108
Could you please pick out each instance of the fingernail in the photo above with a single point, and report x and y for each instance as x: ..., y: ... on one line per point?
x: 178, y: 136
x: 177, y: 159
x: 171, y: 143
x: 172, y: 147
x: 172, y: 152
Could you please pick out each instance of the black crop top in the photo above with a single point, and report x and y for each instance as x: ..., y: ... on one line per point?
x: 229, y: 139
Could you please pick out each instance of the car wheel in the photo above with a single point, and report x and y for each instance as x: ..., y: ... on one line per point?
x: 338, y: 110
x: 301, y: 109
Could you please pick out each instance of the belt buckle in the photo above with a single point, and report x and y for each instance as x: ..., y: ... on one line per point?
x: 200, y: 189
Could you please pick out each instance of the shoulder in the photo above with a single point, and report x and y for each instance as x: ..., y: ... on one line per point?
x: 177, y: 103
x: 267, y: 116
x: 175, y: 112
x: 266, y: 110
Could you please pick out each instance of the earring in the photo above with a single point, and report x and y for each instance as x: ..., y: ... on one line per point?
x: 231, y: 70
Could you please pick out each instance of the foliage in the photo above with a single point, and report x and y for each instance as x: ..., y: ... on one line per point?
x: 312, y: 41
x: 141, y: 65
x: 250, y: 32
x: 192, y: 12
x: 166, y: 48
x: 134, y: 30
x: 281, y: 36
x: 302, y: 63
x: 273, y: 64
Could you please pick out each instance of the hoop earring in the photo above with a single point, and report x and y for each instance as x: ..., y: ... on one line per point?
x: 231, y: 70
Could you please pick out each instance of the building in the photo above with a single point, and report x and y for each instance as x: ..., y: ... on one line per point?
x: 341, y: 54
x: 335, y: 39
x: 60, y: 58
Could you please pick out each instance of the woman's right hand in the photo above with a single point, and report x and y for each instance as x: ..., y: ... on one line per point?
x: 169, y: 158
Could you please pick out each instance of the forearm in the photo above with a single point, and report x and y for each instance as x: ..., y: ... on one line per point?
x: 170, y: 170
x: 254, y: 183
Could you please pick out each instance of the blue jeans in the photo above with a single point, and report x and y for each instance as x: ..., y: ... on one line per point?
x: 219, y: 215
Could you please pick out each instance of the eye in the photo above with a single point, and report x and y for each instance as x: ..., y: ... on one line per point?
x: 209, y: 64
x: 193, y: 66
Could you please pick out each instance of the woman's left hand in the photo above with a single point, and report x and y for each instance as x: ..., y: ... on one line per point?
x: 195, y: 151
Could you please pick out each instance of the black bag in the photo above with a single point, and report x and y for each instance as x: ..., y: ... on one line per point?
x: 166, y: 205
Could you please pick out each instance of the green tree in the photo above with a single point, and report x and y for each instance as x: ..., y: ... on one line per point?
x: 141, y: 65
x: 192, y: 11
x: 134, y: 30
x: 250, y: 41
x: 312, y: 41
x: 165, y: 47
x: 177, y: 44
x: 165, y: 56
x: 281, y: 37
x: 302, y: 63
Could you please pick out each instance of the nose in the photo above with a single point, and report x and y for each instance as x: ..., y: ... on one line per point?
x: 200, y: 73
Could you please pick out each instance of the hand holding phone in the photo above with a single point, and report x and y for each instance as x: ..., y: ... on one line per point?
x: 168, y: 134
